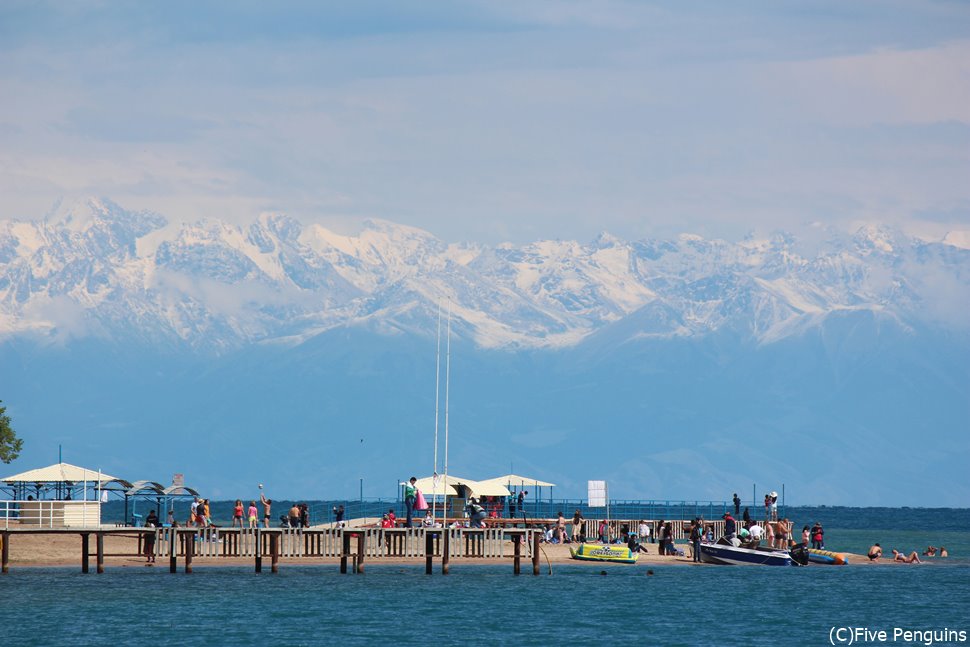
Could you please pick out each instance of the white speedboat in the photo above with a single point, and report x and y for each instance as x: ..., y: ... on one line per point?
x: 724, y: 552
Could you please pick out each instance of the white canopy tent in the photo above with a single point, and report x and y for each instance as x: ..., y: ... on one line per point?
x: 515, y: 480
x: 457, y: 486
x: 61, y: 480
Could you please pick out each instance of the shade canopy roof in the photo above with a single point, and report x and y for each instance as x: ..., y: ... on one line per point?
x: 61, y: 473
x: 517, y: 480
x: 452, y: 487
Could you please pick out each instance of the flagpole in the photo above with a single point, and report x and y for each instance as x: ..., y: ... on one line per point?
x: 447, y: 400
x: 437, y: 391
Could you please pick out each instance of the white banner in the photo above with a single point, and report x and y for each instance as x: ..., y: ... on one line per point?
x: 596, y: 494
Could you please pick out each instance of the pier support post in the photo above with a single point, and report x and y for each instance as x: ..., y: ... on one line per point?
x: 428, y: 553
x: 274, y: 551
x: 344, y: 550
x: 85, y: 551
x: 259, y: 551
x: 189, y: 550
x: 517, y: 553
x: 535, y: 553
x: 445, y: 552
x: 5, y: 552
x: 173, y: 536
x: 360, y: 552
x: 100, y: 541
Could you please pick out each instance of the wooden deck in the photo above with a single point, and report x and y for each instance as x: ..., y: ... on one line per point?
x: 350, y: 546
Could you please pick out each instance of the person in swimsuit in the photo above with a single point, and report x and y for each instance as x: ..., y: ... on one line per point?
x: 252, y: 513
x: 267, y: 506
x: 237, y: 514
x: 875, y: 552
x: 912, y: 558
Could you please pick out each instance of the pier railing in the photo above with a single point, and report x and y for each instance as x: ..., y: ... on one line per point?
x: 377, y: 542
x: 50, y: 514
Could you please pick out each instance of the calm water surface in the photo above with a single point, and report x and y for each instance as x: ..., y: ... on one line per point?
x: 678, y: 605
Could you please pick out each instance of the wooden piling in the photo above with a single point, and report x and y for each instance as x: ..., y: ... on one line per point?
x: 85, y: 551
x: 259, y: 551
x: 517, y: 554
x: 535, y: 553
x: 5, y: 552
x: 173, y: 536
x: 360, y: 552
x: 344, y: 551
x: 189, y: 550
x: 100, y: 542
x: 274, y: 551
x: 446, y: 552
x: 429, y: 553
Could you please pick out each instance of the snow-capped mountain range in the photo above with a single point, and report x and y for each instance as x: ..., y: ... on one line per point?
x: 96, y: 269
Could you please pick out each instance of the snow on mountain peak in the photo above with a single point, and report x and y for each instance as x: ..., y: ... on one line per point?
x: 219, y: 284
x: 959, y: 239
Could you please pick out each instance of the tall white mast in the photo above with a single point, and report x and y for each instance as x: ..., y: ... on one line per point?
x: 447, y: 397
x: 437, y: 390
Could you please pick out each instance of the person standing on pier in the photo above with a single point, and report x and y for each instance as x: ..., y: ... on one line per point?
x: 151, y: 521
x: 737, y: 504
x: 237, y: 514
x: 253, y: 514
x: 410, y: 496
x: 267, y: 507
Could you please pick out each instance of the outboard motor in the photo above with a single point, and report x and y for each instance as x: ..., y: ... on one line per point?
x: 799, y: 555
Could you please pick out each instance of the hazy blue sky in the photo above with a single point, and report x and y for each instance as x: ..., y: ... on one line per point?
x: 494, y: 121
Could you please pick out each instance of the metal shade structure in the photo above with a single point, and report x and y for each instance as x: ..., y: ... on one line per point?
x: 60, y: 473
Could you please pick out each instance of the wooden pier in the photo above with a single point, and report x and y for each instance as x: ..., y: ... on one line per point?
x: 349, y: 547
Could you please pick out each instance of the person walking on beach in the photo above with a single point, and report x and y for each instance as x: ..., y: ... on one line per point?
x: 737, y: 504
x: 695, y: 540
x: 267, y: 508
x: 560, y: 529
x: 410, y: 496
x: 579, y: 533
x: 644, y: 532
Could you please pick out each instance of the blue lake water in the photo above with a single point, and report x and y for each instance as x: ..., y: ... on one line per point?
x: 677, y: 605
